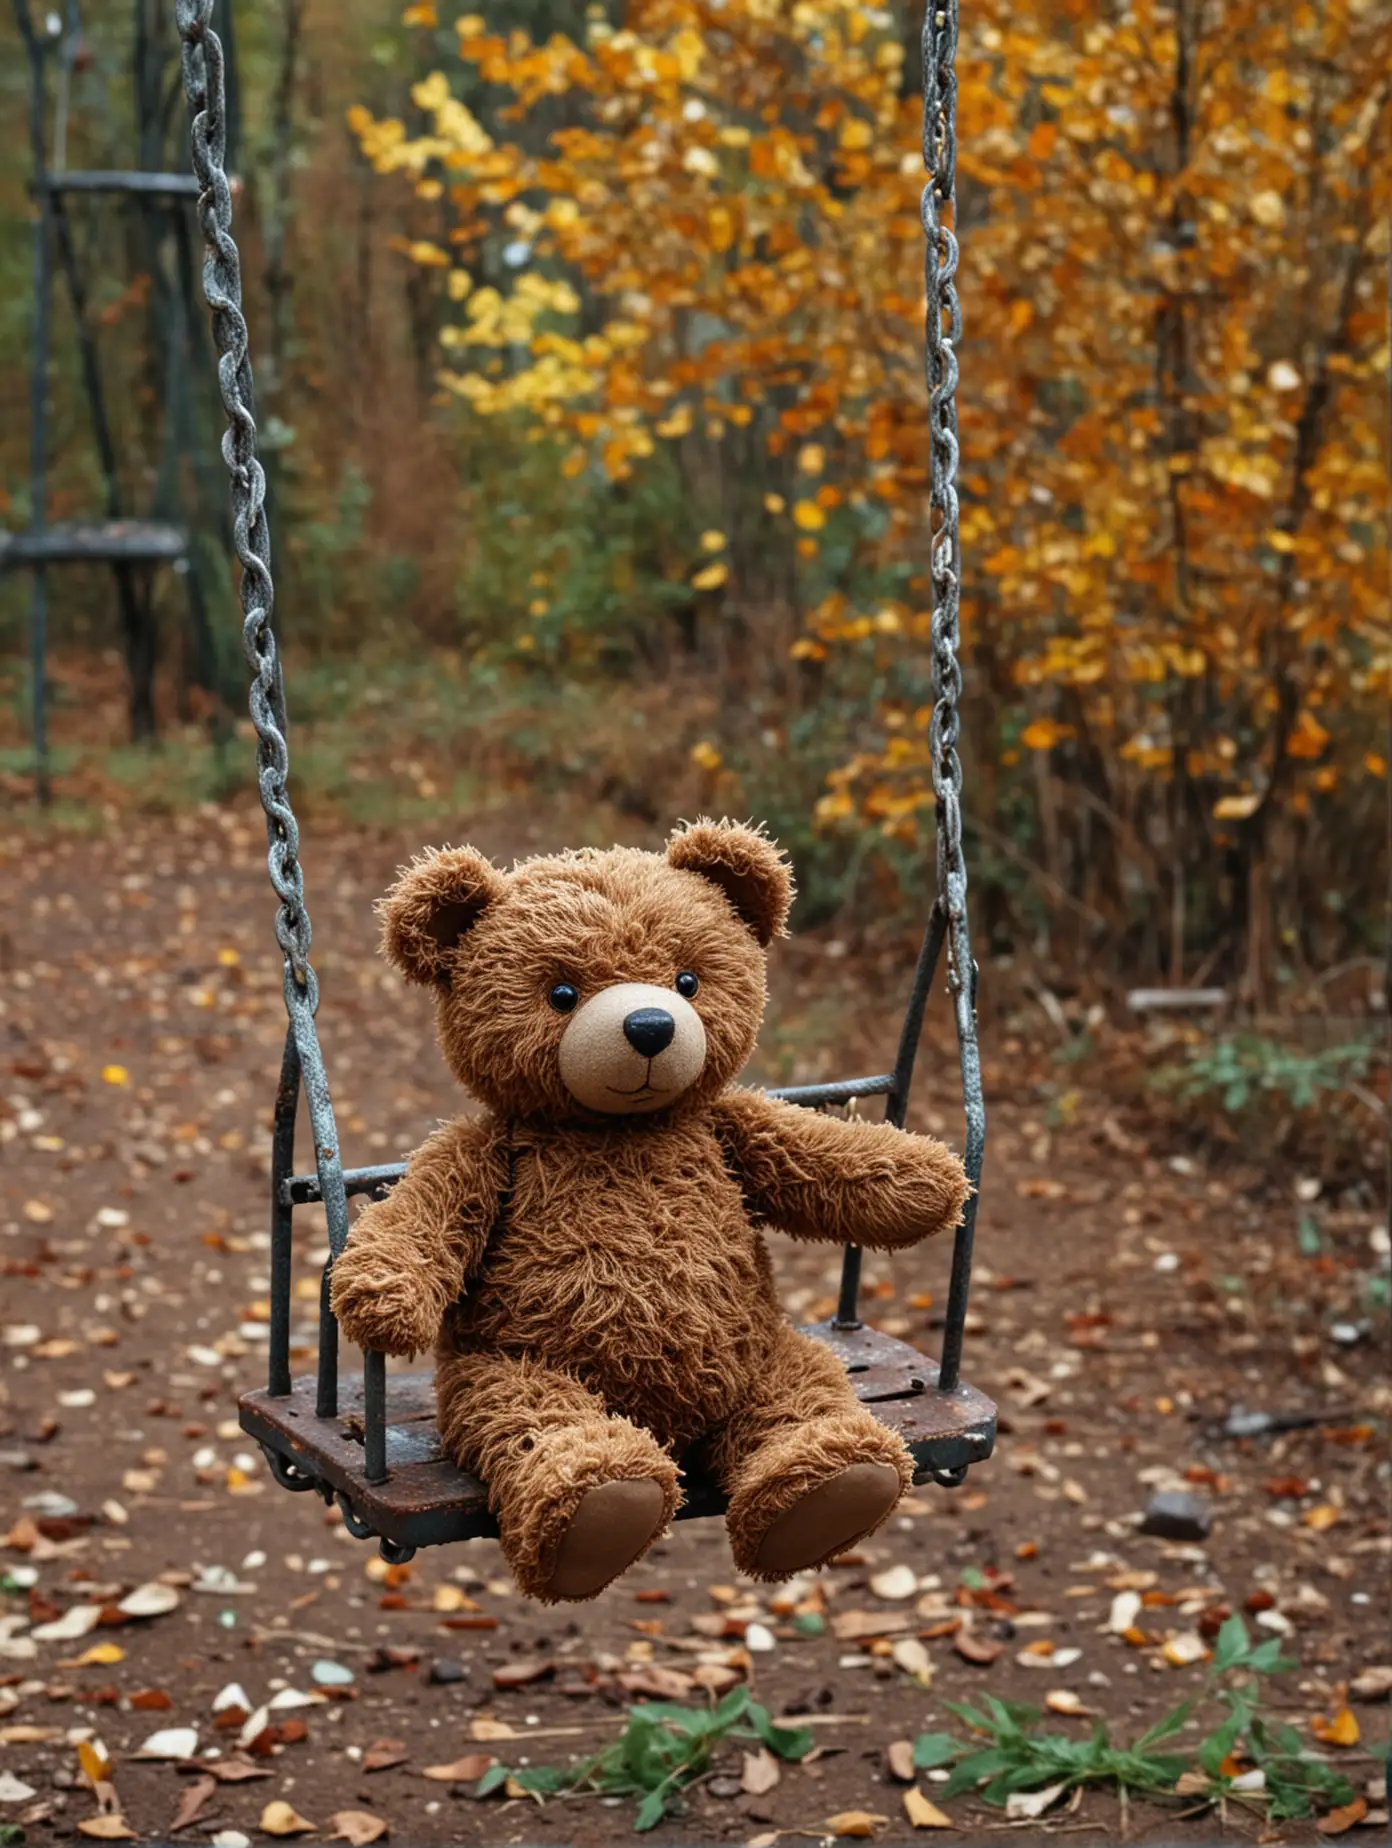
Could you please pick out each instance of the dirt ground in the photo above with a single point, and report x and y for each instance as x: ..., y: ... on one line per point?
x: 1128, y: 1298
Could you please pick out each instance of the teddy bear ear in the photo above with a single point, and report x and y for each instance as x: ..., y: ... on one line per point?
x: 437, y: 898
x: 748, y: 867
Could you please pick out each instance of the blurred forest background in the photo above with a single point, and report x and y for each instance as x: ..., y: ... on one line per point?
x: 588, y: 349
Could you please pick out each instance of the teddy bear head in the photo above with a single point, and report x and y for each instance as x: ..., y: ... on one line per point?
x: 595, y: 985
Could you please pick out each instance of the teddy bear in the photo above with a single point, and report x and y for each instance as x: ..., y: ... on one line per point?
x: 585, y: 1254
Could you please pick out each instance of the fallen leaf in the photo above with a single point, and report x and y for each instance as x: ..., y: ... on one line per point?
x: 151, y: 1700
x: 357, y: 1827
x: 1184, y: 1650
x: 899, y: 1758
x: 1126, y: 1608
x: 923, y: 1814
x: 523, y: 1673
x: 279, y: 1818
x: 895, y: 1584
x: 96, y: 1765
x: 70, y: 1626
x: 1320, y: 1518
x: 153, y: 1600
x: 910, y: 1655
x: 1372, y: 1683
x: 173, y: 1742
x: 859, y: 1626
x: 976, y: 1649
x: 1064, y: 1700
x: 381, y: 1755
x: 192, y: 1802
x: 100, y: 1655
x: 235, y: 1769
x: 1026, y: 1805
x: 15, y: 1790
x: 854, y: 1822
x: 1341, y: 1730
x: 463, y: 1771
x: 107, y: 1829
x: 484, y: 1728
x: 761, y: 1773
x: 1338, y: 1820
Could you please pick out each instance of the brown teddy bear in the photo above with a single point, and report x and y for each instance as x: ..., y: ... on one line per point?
x: 585, y: 1255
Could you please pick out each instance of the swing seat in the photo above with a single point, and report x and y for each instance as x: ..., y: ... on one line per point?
x: 426, y: 1501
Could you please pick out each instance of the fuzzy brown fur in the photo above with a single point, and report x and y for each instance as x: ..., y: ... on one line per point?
x: 596, y: 1285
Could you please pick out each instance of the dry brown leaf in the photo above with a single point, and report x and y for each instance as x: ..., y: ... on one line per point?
x: 484, y: 1728
x: 976, y: 1649
x: 1372, y: 1683
x: 1064, y: 1700
x: 899, y: 1757
x: 463, y: 1771
x: 522, y: 1673
x: 107, y: 1829
x: 1343, y: 1818
x: 923, y: 1814
x: 279, y: 1818
x: 192, y: 1802
x: 859, y: 1626
x: 357, y: 1827
x: 761, y: 1773
x: 854, y: 1822
x: 381, y: 1755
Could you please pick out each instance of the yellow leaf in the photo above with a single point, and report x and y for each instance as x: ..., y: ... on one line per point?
x: 1236, y: 808
x: 711, y: 578
x: 923, y: 1814
x: 459, y: 285
x: 421, y: 14
x: 100, y: 1655
x: 774, y: 503
x: 1375, y: 764
x: 115, y: 1074
x: 712, y: 541
x: 854, y: 1822
x: 812, y: 458
x: 705, y: 756
x: 1341, y: 1730
x: 1307, y: 737
x: 107, y: 1829
x: 1269, y: 208
x: 1044, y: 734
x: 279, y: 1818
x: 809, y: 516
x: 228, y: 959
x: 1320, y: 1518
x: 96, y: 1766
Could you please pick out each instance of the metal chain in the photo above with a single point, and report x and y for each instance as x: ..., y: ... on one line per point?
x: 222, y: 285
x: 938, y: 211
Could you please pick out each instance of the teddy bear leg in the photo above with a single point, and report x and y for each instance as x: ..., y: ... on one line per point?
x: 809, y: 1470
x: 578, y: 1495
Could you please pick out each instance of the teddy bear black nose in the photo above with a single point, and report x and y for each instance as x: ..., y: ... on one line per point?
x: 649, y: 1030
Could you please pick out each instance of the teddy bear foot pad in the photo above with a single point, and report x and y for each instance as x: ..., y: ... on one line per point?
x: 829, y: 1518
x: 609, y: 1529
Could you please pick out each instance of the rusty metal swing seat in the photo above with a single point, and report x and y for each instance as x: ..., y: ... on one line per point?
x: 369, y: 1444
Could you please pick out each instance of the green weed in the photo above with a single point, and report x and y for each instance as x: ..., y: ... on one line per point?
x: 1009, y: 1754
x: 662, y: 1751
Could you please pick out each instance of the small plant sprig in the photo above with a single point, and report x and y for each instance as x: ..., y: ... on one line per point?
x: 1009, y: 1754
x: 663, y: 1749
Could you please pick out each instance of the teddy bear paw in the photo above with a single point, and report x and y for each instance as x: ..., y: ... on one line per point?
x: 612, y: 1525
x: 382, y: 1317
x: 828, y: 1519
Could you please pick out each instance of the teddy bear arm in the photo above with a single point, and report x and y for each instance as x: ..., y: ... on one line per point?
x: 408, y: 1256
x: 848, y: 1182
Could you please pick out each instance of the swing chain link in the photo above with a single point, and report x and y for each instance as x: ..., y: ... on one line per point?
x: 202, y: 58
x: 943, y: 328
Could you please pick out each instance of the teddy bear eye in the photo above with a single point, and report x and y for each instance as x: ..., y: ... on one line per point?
x: 563, y: 997
x: 687, y: 983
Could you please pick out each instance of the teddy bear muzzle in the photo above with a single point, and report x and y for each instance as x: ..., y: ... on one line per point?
x: 632, y: 1048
